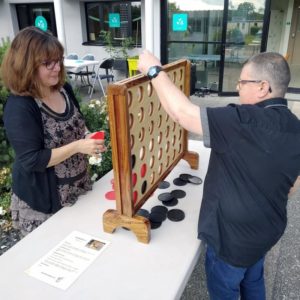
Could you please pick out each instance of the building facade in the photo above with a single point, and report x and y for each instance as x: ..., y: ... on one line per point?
x: 217, y: 36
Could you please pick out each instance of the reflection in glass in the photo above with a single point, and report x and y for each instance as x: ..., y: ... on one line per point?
x: 199, y: 40
x: 243, y: 38
x: 130, y: 21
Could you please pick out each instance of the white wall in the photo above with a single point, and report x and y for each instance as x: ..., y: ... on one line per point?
x: 280, y: 25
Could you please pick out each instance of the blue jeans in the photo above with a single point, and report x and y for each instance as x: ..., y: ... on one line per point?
x: 226, y: 282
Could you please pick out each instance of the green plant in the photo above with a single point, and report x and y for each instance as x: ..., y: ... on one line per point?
x: 113, y: 50
x: 96, y: 117
x: 5, y: 190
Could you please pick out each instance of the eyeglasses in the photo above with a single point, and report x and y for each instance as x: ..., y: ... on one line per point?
x: 50, y: 64
x: 244, y: 81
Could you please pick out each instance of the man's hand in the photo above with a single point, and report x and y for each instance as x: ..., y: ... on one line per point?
x: 147, y: 60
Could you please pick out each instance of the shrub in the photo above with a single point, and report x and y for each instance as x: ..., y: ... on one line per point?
x: 96, y: 117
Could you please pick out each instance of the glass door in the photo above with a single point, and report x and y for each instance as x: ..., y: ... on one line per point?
x: 244, y: 28
x: 195, y: 33
x: 216, y: 36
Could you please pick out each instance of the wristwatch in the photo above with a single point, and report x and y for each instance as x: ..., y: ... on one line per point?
x: 153, y: 71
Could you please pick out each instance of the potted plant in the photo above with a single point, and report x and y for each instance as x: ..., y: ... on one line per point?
x: 119, y: 54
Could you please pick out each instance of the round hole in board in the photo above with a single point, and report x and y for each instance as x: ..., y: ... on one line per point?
x: 159, y: 154
x: 159, y: 138
x: 151, y: 127
x: 167, y: 146
x: 142, y: 153
x: 133, y: 161
x: 132, y: 141
x: 143, y: 170
x: 150, y: 112
x: 167, y: 131
x: 173, y: 140
x: 141, y: 114
x: 167, y: 161
x: 135, y: 196
x: 144, y: 187
x: 151, y: 145
x: 174, y: 76
x: 180, y: 134
x: 129, y: 98
x: 160, y: 168
x: 131, y: 118
x: 159, y: 121
x: 149, y: 89
x: 152, y: 177
x: 134, y: 179
x: 140, y: 93
x: 180, y: 74
x: 141, y: 134
x: 151, y: 162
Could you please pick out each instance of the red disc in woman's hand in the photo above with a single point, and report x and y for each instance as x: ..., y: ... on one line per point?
x: 100, y: 135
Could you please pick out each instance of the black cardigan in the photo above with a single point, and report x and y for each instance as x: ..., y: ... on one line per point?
x: 33, y: 182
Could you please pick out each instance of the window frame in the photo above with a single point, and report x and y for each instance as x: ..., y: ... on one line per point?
x: 29, y: 7
x: 110, y: 4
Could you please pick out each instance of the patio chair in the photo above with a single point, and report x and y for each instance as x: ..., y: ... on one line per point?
x: 84, y: 75
x: 106, y: 65
x: 73, y: 56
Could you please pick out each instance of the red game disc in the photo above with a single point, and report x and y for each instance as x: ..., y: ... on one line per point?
x: 110, y: 195
x: 143, y: 170
x: 134, y: 179
x: 100, y: 135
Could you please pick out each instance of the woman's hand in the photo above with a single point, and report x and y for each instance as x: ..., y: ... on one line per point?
x: 91, y: 146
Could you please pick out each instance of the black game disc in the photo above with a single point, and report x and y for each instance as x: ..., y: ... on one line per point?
x: 157, y: 217
x: 160, y: 209
x: 163, y: 185
x: 171, y: 203
x: 195, y: 180
x: 176, y: 215
x: 154, y: 225
x: 179, y: 182
x: 178, y: 194
x: 165, y: 197
x: 143, y: 212
x: 185, y: 176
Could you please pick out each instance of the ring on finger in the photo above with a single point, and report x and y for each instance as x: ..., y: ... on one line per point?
x: 97, y: 151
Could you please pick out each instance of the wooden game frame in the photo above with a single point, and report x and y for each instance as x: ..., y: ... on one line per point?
x: 126, y: 114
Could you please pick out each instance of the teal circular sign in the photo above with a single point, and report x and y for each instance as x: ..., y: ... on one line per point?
x: 41, y: 23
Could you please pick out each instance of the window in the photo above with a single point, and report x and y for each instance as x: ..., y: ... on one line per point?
x: 122, y: 19
x: 28, y: 14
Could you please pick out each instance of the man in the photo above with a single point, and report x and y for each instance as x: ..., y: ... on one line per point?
x: 255, y: 160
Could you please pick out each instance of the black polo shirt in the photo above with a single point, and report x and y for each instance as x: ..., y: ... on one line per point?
x: 255, y: 160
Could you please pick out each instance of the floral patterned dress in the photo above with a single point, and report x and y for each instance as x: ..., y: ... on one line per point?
x: 72, y: 176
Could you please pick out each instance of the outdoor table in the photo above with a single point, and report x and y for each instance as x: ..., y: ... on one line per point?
x: 126, y: 269
x: 74, y: 66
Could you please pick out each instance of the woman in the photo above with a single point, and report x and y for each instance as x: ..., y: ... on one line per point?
x: 45, y: 128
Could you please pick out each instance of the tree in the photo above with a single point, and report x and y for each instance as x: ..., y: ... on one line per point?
x: 246, y: 9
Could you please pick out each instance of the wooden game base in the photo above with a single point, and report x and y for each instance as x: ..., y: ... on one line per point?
x: 139, y: 225
x: 192, y: 158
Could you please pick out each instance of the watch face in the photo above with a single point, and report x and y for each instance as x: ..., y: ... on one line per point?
x: 154, y: 71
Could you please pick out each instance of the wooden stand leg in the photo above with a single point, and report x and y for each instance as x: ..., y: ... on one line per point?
x: 192, y: 158
x: 139, y: 225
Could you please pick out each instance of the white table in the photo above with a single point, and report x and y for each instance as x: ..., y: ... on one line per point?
x: 75, y: 66
x: 78, y: 64
x: 127, y: 269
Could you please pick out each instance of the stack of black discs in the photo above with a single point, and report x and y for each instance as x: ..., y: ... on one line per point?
x: 157, y: 215
x: 184, y: 179
x: 168, y: 199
